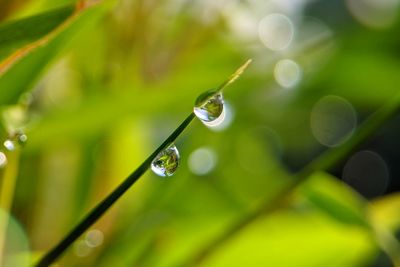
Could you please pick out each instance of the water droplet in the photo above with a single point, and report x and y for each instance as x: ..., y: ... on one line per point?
x: 3, y: 160
x: 21, y: 138
x: 224, y: 120
x: 18, y: 138
x: 10, y: 145
x: 166, y: 162
x: 209, y: 107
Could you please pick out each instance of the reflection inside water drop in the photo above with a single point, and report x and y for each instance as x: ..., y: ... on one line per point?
x: 166, y: 162
x: 209, y: 108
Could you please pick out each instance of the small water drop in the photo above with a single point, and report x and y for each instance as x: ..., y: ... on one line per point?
x: 10, y: 145
x: 166, y: 162
x: 3, y: 160
x: 18, y: 138
x: 209, y: 107
x: 21, y: 138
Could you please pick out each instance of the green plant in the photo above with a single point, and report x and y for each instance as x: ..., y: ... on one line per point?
x: 128, y: 83
x: 107, y: 202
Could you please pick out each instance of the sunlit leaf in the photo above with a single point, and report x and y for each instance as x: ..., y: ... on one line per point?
x: 335, y: 199
x: 288, y: 239
x: 385, y: 211
x: 15, y: 34
x: 22, y: 70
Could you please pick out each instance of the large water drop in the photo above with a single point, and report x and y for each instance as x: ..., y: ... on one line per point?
x: 166, y: 162
x: 209, y: 108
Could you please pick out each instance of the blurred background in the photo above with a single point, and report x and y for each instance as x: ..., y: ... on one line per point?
x: 101, y: 97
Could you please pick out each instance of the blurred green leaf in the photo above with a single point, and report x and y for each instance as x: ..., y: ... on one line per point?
x: 335, y: 199
x: 15, y: 34
x: 307, y: 238
x: 22, y: 75
x: 385, y: 211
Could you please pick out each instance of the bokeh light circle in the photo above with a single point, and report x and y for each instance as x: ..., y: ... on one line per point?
x: 82, y: 249
x: 276, y: 31
x: 368, y: 173
x: 94, y: 238
x: 333, y: 120
x: 202, y: 161
x: 374, y: 13
x: 287, y: 73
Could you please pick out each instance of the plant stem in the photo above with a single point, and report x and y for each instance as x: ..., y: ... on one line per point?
x: 324, y: 162
x: 107, y: 202
x: 7, y: 194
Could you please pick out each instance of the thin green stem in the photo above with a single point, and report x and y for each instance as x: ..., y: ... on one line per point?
x: 107, y: 202
x: 324, y: 162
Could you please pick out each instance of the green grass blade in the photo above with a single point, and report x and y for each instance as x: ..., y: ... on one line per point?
x: 15, y: 34
x: 19, y: 73
x: 104, y: 205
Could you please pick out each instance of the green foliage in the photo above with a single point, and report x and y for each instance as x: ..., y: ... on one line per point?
x: 15, y: 34
x: 109, y: 82
x: 25, y: 71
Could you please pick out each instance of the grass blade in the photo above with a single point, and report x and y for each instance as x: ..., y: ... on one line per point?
x: 16, y: 34
x: 107, y: 202
x: 20, y: 70
x: 104, y: 205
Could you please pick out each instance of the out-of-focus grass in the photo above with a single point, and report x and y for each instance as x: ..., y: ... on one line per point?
x: 117, y: 87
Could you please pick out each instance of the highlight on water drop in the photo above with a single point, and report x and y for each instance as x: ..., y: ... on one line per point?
x: 10, y: 145
x: 17, y: 139
x: 166, y: 162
